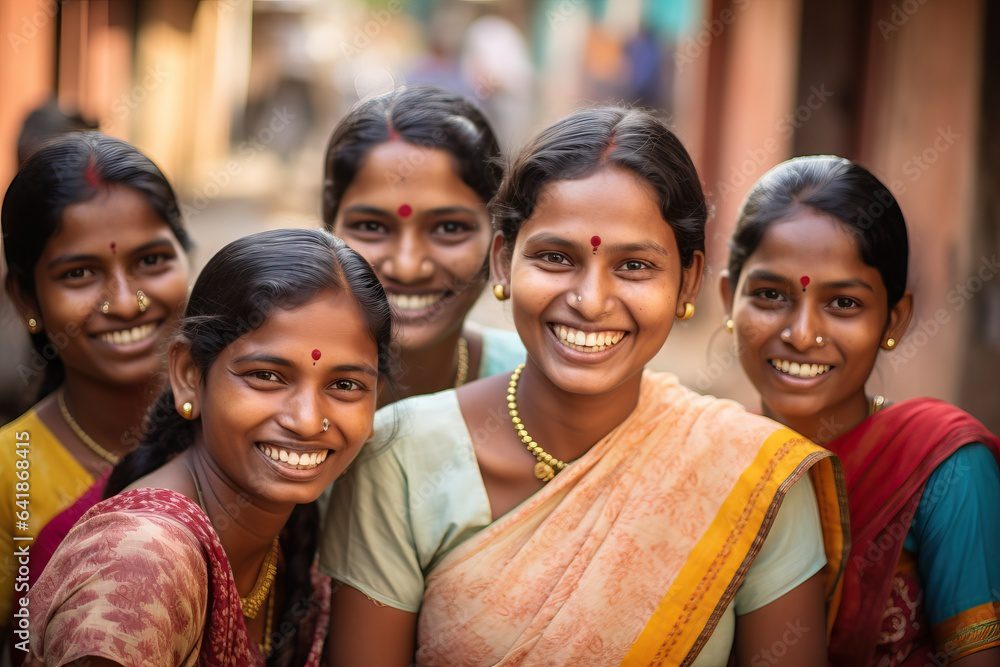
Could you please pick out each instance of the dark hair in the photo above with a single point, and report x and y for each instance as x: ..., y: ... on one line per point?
x: 69, y: 170
x: 44, y: 124
x: 425, y: 116
x: 836, y: 187
x: 237, y: 289
x: 588, y: 140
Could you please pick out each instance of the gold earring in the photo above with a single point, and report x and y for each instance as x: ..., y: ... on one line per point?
x: 730, y: 325
x: 106, y: 307
x: 32, y: 325
x: 187, y: 409
x: 142, y: 300
x: 500, y: 292
x: 890, y: 343
x: 688, y: 311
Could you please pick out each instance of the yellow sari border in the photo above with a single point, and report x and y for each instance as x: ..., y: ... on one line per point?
x: 688, y: 613
x: 970, y: 631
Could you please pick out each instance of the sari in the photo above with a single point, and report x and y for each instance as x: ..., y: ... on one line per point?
x: 683, y: 491
x: 143, y: 579
x: 887, y: 461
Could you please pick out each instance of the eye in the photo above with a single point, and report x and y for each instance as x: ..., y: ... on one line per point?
x: 769, y: 294
x: 845, y: 303
x: 76, y: 274
x: 368, y: 227
x: 636, y: 265
x: 554, y: 258
x: 265, y: 376
x: 347, y: 385
x: 452, y: 227
x: 154, y: 260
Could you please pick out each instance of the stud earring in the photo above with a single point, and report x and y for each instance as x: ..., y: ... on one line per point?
x: 786, y: 334
x: 326, y: 424
x: 688, y: 311
x: 187, y: 409
x: 730, y: 325
x: 142, y: 300
x: 890, y: 343
x: 106, y: 307
x: 32, y: 325
x: 500, y: 292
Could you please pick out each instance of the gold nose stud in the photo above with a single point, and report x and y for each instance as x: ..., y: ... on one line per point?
x: 142, y: 300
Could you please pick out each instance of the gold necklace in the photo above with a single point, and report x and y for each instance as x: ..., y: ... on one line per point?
x: 81, y: 434
x: 265, y: 646
x: 462, y: 372
x: 546, y: 466
x: 252, y: 603
x: 878, y: 400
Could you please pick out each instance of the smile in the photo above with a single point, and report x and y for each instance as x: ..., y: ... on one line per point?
x: 415, y: 302
x: 799, y: 370
x: 584, y: 341
x: 292, y: 458
x: 128, y: 336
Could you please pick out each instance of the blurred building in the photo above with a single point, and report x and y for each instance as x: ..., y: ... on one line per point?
x: 235, y: 100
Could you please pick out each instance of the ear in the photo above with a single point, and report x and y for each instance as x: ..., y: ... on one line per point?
x: 690, y: 281
x: 499, y: 262
x: 899, y: 320
x: 185, y: 377
x: 726, y: 288
x: 27, y: 306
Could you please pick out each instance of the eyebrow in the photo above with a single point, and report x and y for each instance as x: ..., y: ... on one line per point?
x: 768, y: 276
x: 281, y: 361
x: 560, y: 242
x: 441, y: 210
x: 145, y: 247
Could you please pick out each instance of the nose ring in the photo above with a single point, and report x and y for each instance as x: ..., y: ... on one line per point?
x: 326, y: 424
x: 820, y: 340
x: 786, y: 334
x: 105, y: 307
x: 142, y: 300
x: 579, y: 298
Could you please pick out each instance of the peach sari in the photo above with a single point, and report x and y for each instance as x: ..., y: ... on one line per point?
x: 631, y: 554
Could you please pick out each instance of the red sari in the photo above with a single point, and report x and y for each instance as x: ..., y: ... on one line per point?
x: 887, y: 460
x: 143, y: 579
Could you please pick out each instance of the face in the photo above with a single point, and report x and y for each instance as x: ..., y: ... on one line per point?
x: 843, y: 301
x: 591, y: 320
x: 265, y: 397
x: 426, y: 233
x: 105, y: 251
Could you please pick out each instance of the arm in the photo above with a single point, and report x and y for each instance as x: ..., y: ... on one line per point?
x: 363, y: 632
x: 789, y: 631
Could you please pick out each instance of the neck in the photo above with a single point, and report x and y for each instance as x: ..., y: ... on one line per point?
x: 828, y: 425
x: 429, y: 369
x: 246, y: 526
x: 567, y: 425
x: 110, y: 414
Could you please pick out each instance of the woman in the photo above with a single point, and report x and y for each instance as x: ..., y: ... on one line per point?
x: 817, y: 288
x: 273, y: 384
x: 408, y: 175
x: 576, y: 512
x: 98, y: 270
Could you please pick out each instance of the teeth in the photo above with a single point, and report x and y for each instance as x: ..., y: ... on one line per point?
x: 799, y: 370
x: 414, y: 301
x: 301, y: 460
x: 126, y: 336
x: 582, y: 341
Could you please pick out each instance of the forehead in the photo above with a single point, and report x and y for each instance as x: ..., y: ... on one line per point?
x: 613, y: 203
x: 116, y: 213
x: 809, y: 242
x: 399, y: 172
x: 332, y: 322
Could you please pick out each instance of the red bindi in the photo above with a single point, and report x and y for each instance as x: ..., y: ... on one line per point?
x: 316, y: 354
x: 595, y: 241
x: 805, y: 282
x: 405, y: 211
x: 114, y: 247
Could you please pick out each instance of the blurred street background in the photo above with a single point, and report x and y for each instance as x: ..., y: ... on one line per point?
x: 235, y: 100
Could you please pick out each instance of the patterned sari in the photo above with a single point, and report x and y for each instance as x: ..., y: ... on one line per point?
x: 143, y: 579
x: 887, y: 461
x: 683, y: 492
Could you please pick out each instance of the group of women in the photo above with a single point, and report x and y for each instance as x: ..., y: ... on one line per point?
x: 313, y: 458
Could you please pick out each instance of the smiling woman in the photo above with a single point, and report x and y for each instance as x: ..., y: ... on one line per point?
x: 98, y: 269
x: 408, y: 175
x: 584, y: 511
x: 215, y: 518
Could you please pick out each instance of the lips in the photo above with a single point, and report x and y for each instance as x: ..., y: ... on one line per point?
x: 799, y: 369
x: 129, y: 336
x: 292, y: 458
x: 415, y: 302
x: 586, y: 341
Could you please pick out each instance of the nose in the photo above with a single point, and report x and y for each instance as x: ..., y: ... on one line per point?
x: 801, y: 333
x: 303, y: 414
x: 592, y: 296
x: 409, y: 260
x: 123, y: 299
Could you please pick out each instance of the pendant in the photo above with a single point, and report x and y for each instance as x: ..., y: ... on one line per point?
x: 544, y: 471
